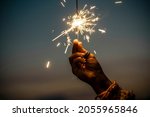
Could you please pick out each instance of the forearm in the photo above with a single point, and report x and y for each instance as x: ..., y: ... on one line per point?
x: 107, y: 90
x: 100, y: 83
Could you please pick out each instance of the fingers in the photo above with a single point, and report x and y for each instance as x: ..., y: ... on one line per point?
x: 75, y: 55
x: 91, y: 56
x: 88, y: 55
x: 79, y: 54
x: 78, y: 47
x: 92, y: 63
x: 79, y: 60
x: 79, y: 63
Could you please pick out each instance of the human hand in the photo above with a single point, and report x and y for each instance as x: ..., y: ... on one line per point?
x: 84, y: 67
x: 87, y: 68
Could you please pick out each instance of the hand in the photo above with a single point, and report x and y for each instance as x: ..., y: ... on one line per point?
x: 87, y: 69
x: 84, y: 68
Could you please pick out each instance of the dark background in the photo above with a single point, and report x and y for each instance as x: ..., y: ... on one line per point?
x: 26, y: 46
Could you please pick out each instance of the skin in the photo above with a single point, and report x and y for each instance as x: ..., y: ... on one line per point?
x: 88, y: 68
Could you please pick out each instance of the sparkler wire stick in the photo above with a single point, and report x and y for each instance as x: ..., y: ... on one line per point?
x: 77, y: 8
x: 77, y: 12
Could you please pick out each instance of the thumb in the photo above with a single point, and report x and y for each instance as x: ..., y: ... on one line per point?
x: 78, y: 47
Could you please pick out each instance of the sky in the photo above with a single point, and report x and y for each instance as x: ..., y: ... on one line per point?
x: 26, y: 46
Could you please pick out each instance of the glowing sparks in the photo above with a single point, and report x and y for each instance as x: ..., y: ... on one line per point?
x: 92, y: 7
x: 68, y: 44
x: 77, y: 22
x: 118, y: 2
x: 83, y: 23
x: 48, y: 64
x: 58, y: 44
x: 62, y: 4
x: 52, y: 31
x: 94, y: 51
x: 64, y: 19
x: 87, y: 37
x: 102, y: 31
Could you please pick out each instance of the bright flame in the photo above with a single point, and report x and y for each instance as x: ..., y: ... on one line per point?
x: 78, y: 22
x: 83, y: 23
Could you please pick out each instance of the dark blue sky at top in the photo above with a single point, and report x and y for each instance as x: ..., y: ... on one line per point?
x: 26, y: 46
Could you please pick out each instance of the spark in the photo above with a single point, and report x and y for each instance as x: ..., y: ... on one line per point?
x: 53, y: 31
x: 63, y: 33
x: 68, y: 44
x: 66, y: 49
x: 87, y: 37
x: 92, y: 7
x: 102, y: 31
x: 94, y: 51
x: 84, y: 37
x: 84, y: 6
x: 48, y: 64
x: 63, y: 19
x: 82, y: 23
x: 62, y: 4
x: 118, y: 2
x: 58, y: 44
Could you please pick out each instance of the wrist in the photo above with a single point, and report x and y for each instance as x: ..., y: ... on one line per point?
x: 100, y: 83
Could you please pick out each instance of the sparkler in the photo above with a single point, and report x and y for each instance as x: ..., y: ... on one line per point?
x: 83, y: 23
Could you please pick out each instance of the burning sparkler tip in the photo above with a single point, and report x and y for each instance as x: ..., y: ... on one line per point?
x: 81, y: 23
